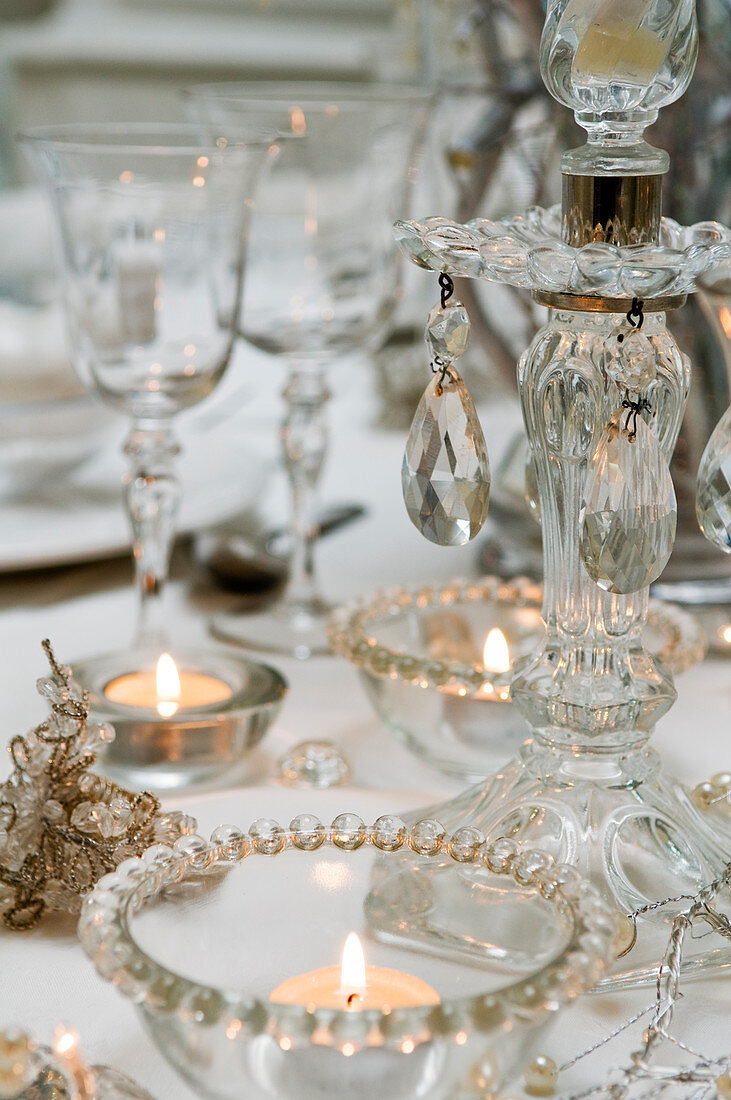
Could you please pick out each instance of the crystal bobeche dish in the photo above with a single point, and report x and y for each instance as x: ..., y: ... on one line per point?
x: 419, y: 653
x: 528, y: 250
x: 199, y: 934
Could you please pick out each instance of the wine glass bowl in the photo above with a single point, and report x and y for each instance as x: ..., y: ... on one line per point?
x: 151, y: 228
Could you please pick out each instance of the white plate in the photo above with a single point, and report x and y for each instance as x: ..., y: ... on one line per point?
x: 82, y: 518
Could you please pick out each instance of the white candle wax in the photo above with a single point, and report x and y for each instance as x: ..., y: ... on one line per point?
x: 182, y: 690
x: 353, y: 986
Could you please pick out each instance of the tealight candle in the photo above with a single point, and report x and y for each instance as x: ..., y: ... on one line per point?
x: 167, y: 690
x: 495, y: 661
x: 496, y: 664
x: 353, y: 986
x: 616, y: 45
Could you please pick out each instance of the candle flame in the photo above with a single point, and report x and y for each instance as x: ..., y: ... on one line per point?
x: 496, y: 655
x: 724, y: 316
x: 726, y: 634
x: 65, y: 1041
x: 297, y: 120
x: 168, y: 686
x: 353, y: 970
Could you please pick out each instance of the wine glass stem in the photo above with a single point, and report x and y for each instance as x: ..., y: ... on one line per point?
x: 152, y: 496
x: 304, y: 435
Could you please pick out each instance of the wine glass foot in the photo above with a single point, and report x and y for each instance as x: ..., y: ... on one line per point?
x: 626, y: 826
x: 292, y: 628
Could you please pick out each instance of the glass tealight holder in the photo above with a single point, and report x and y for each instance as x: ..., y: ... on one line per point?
x: 30, y: 1071
x: 234, y: 952
x: 437, y: 661
x: 181, y: 718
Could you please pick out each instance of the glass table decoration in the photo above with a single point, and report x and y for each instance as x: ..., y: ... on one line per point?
x: 437, y: 662
x: 603, y: 387
x: 324, y: 280
x: 246, y: 997
x: 314, y: 764
x: 152, y: 225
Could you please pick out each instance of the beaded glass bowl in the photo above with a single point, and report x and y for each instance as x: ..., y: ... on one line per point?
x: 199, y: 936
x: 421, y: 655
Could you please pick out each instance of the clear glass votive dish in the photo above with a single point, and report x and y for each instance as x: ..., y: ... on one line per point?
x: 195, y: 730
x: 437, y: 662
x: 233, y: 957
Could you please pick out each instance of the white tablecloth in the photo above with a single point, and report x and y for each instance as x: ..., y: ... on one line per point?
x: 44, y: 976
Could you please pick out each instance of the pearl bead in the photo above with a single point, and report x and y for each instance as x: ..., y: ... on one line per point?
x: 705, y: 794
x: 723, y: 1085
x: 721, y: 779
x: 541, y: 1076
x: 485, y: 1078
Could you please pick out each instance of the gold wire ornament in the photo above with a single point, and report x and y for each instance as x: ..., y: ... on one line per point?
x: 61, y: 826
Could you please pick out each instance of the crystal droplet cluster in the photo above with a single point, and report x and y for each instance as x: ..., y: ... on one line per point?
x: 713, y: 495
x: 445, y: 475
x: 61, y: 826
x: 629, y: 511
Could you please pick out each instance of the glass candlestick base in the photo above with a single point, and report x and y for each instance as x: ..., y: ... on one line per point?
x: 624, y: 825
x: 192, y: 730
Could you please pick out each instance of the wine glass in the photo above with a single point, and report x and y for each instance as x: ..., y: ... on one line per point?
x: 151, y: 223
x: 323, y: 280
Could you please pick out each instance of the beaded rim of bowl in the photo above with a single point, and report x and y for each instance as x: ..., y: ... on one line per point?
x: 528, y: 250
x: 353, y: 632
x: 108, y: 941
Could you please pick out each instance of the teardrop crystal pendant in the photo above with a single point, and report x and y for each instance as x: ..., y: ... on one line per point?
x: 713, y: 494
x: 629, y: 513
x: 445, y: 475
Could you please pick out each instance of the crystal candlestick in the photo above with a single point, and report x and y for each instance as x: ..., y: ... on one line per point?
x: 603, y: 387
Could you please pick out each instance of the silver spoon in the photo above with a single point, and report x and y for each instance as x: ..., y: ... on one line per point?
x: 241, y: 564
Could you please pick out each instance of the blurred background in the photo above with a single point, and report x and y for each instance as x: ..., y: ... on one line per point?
x: 494, y: 146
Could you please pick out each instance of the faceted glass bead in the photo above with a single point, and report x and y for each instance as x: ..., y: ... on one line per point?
x: 630, y: 359
x: 445, y: 475
x: 629, y: 513
x: 713, y: 495
x: 448, y: 331
x: 318, y: 764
